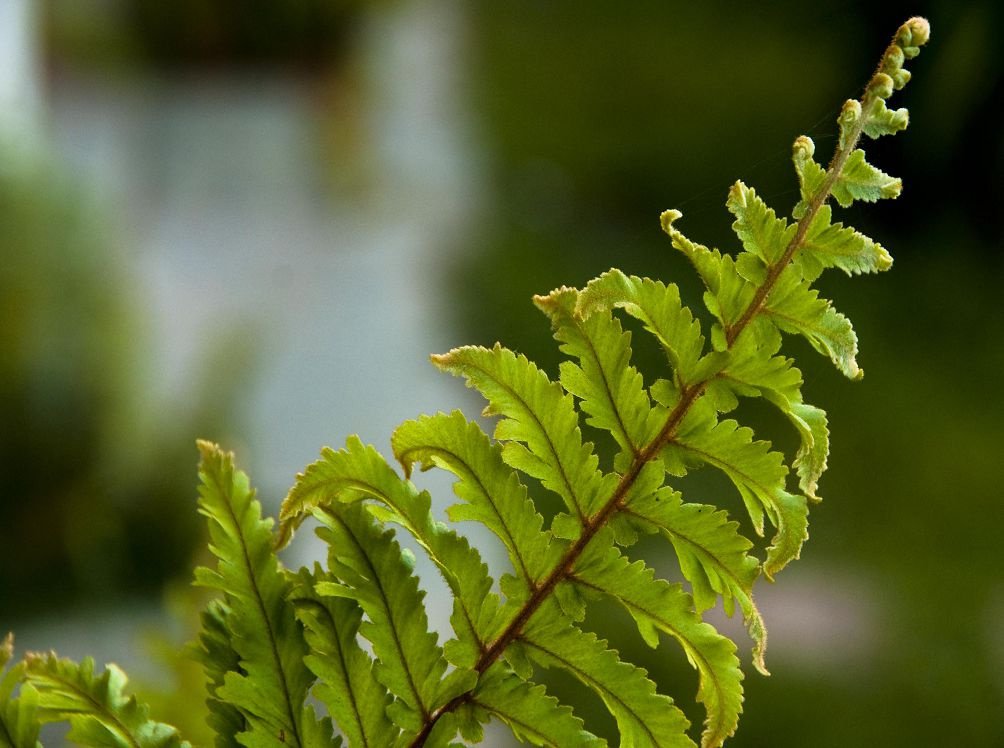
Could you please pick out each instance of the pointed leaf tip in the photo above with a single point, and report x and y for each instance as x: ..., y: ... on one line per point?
x: 207, y: 448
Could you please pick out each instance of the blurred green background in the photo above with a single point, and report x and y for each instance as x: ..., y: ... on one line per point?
x: 404, y: 176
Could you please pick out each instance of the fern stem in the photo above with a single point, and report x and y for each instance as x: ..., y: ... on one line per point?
x: 688, y: 396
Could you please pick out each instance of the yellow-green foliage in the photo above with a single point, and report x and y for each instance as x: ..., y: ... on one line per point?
x: 275, y: 643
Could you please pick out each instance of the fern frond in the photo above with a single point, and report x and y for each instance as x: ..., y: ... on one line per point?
x: 19, y: 722
x: 536, y: 413
x: 796, y: 308
x: 757, y: 473
x: 372, y: 569
x: 731, y: 282
x: 645, y: 718
x: 532, y: 715
x: 659, y: 308
x: 859, y: 180
x: 611, y: 391
x: 833, y: 245
x: 270, y: 687
x: 714, y: 557
x: 810, y: 460
x: 658, y: 606
x: 346, y: 684
x: 755, y: 371
x: 762, y: 290
x: 360, y: 472
x: 98, y: 710
x: 762, y: 233
x: 218, y: 657
x: 492, y: 492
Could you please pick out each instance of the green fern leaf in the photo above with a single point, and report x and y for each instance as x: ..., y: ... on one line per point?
x: 533, y: 716
x: 539, y: 414
x: 713, y: 555
x: 492, y: 492
x: 757, y: 473
x: 796, y: 308
x: 810, y: 461
x: 824, y: 245
x: 611, y: 390
x: 271, y: 685
x: 859, y: 180
x: 346, y: 684
x: 374, y: 571
x: 659, y: 308
x: 658, y: 606
x: 645, y: 718
x: 754, y: 370
x: 731, y: 283
x: 763, y: 234
x: 19, y: 723
x: 218, y: 657
x: 706, y: 262
x: 885, y: 121
x: 98, y: 711
x: 319, y: 733
x: 832, y: 245
x: 812, y: 177
x: 360, y: 472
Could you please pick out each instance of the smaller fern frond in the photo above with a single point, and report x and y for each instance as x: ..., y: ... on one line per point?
x: 533, y: 716
x: 611, y: 391
x: 359, y: 472
x: 659, y: 308
x: 833, y: 245
x: 755, y: 370
x: 217, y: 655
x: 491, y: 491
x: 99, y: 712
x: 859, y: 180
x: 762, y: 233
x: 810, y: 460
x: 757, y: 473
x: 797, y: 308
x: 272, y: 681
x: 346, y: 684
x: 645, y: 718
x: 658, y: 606
x: 19, y: 720
x: 713, y: 556
x: 539, y: 428
x: 371, y: 569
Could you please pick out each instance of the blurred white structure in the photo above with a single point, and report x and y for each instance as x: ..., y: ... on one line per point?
x: 19, y: 83
x: 220, y: 186
x: 221, y: 183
